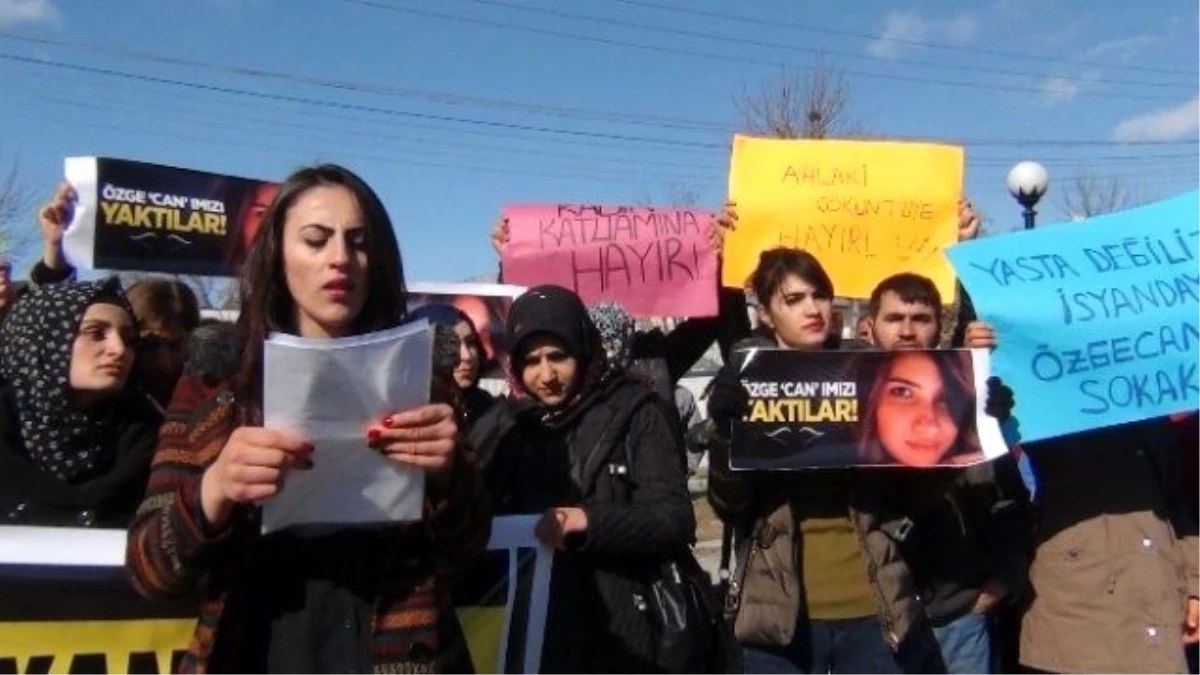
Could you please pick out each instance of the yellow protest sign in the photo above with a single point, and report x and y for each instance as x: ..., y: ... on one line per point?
x: 865, y: 209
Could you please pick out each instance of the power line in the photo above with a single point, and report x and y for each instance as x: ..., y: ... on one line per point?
x: 432, y: 146
x: 349, y: 106
x: 425, y: 145
x: 674, y: 143
x: 73, y: 81
x: 795, y: 48
x: 618, y: 179
x: 722, y: 57
x: 360, y: 87
x: 775, y: 23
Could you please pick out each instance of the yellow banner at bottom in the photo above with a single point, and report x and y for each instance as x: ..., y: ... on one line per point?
x: 118, y: 641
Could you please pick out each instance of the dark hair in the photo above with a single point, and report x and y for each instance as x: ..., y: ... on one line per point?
x: 957, y: 372
x: 164, y: 304
x: 440, y: 314
x: 267, y: 305
x: 912, y: 288
x: 451, y: 317
x: 776, y: 264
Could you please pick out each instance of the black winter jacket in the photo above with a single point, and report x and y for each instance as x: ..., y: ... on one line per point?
x: 28, y: 496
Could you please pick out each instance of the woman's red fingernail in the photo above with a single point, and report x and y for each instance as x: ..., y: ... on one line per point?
x: 373, y: 435
x: 309, y: 448
x: 389, y: 422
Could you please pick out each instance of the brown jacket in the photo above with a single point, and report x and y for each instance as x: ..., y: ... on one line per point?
x: 771, y: 597
x: 1116, y: 553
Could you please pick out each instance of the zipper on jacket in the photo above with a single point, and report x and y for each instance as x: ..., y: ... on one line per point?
x: 884, y: 615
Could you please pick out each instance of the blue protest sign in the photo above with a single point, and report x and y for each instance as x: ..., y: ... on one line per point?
x: 1096, y: 320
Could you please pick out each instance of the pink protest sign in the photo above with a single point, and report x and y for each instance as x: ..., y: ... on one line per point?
x: 656, y: 262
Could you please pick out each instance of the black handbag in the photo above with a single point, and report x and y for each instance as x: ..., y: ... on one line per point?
x: 683, y: 605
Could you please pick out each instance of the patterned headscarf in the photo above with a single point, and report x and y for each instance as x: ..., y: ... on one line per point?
x: 36, y: 342
x: 616, y: 329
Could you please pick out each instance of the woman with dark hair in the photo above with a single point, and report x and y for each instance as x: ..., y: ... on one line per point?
x: 75, y: 436
x: 476, y: 401
x: 592, y: 451
x: 920, y: 410
x: 167, y: 312
x: 324, y: 265
x: 821, y: 585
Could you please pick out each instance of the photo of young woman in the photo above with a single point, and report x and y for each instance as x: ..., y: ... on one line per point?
x: 253, y: 207
x: 920, y: 410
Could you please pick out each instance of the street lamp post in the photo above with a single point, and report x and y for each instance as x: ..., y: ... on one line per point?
x: 1027, y: 182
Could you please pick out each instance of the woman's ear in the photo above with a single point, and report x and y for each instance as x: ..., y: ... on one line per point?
x: 764, y: 317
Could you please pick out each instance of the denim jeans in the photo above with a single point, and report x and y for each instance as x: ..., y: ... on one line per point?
x: 966, y: 644
x: 841, y: 646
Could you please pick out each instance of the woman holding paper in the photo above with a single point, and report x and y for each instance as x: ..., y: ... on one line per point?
x: 593, y: 452
x: 820, y: 585
x: 356, y: 600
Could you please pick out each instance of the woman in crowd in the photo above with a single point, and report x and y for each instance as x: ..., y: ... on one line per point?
x: 592, y: 451
x: 325, y: 264
x: 166, y: 309
x: 1115, y: 577
x: 75, y: 436
x: 476, y: 401
x: 920, y: 410
x: 167, y: 313
x: 822, y: 586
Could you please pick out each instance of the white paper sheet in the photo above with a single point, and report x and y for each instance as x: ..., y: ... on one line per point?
x: 330, y: 391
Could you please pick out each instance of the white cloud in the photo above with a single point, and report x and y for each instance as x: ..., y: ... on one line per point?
x: 1122, y: 50
x: 1170, y: 124
x: 1059, y: 89
x: 902, y: 27
x: 13, y: 12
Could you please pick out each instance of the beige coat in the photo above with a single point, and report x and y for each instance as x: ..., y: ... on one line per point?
x: 1116, y: 554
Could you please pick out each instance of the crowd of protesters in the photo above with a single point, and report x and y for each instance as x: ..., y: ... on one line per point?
x: 120, y: 408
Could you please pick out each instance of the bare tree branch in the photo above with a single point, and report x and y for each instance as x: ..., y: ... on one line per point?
x: 801, y: 105
x: 679, y: 195
x: 17, y: 200
x: 683, y: 196
x: 1091, y: 196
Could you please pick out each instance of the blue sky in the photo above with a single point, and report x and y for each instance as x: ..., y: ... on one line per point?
x: 453, y: 108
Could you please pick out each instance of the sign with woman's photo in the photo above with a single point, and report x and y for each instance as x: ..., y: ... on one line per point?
x: 839, y: 409
x: 146, y: 217
x: 485, y: 304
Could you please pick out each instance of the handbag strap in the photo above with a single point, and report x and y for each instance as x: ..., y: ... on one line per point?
x: 723, y: 570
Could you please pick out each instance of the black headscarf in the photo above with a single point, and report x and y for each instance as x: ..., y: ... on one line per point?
x: 556, y: 311
x: 36, y: 342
